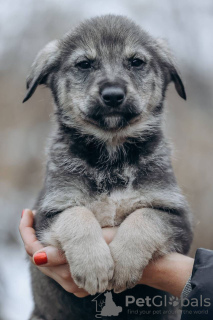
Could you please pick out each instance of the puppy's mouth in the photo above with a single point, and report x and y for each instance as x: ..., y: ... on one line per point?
x: 112, y: 120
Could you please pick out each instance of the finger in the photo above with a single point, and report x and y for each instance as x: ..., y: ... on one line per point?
x: 61, y: 275
x: 49, y: 256
x: 109, y: 233
x: 81, y: 294
x: 28, y: 233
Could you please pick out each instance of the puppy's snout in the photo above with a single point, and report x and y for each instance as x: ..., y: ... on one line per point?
x: 113, y: 96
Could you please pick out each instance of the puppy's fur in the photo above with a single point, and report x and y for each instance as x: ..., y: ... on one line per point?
x: 107, y: 165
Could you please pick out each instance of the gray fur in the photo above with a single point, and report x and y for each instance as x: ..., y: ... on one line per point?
x: 106, y: 169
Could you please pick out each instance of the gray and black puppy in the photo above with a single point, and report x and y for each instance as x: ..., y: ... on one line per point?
x: 109, y: 162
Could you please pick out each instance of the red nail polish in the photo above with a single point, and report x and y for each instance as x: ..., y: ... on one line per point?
x: 22, y: 213
x: 40, y: 258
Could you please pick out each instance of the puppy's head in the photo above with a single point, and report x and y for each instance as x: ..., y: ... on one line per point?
x: 108, y: 77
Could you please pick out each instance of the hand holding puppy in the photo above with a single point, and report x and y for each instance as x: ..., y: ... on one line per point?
x: 50, y: 260
x: 169, y: 273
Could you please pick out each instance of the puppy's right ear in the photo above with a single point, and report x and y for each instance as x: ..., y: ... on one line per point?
x: 44, y: 63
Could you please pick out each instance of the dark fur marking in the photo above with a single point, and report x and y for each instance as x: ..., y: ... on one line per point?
x: 93, y: 150
x: 68, y: 84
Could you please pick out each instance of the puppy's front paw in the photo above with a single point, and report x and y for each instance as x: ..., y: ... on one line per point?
x: 91, y: 266
x: 128, y: 267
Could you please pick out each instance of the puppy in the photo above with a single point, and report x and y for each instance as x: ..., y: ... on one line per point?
x: 108, y: 164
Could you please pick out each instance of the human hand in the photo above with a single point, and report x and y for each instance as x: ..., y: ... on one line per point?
x: 169, y: 273
x: 50, y: 260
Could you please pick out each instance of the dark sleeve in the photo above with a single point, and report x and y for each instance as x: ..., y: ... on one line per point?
x: 199, y: 302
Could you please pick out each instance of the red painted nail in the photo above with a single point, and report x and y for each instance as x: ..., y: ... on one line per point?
x: 22, y: 213
x: 40, y: 258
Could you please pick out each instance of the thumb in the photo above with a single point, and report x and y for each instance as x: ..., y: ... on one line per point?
x: 49, y: 256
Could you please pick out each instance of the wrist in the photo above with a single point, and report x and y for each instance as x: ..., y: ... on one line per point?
x: 169, y: 273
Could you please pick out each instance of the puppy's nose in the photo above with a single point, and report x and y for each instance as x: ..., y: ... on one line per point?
x: 113, y: 96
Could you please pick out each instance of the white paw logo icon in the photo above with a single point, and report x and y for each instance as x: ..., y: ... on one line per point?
x: 174, y: 301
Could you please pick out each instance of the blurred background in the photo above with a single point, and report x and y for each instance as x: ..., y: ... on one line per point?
x: 25, y: 27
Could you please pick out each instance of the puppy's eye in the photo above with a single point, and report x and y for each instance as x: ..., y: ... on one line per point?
x: 84, y: 64
x: 137, y: 62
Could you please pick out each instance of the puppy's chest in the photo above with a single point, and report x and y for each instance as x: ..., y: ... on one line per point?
x: 111, y: 209
x: 112, y: 206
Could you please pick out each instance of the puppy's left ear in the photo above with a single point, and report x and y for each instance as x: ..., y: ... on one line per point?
x: 44, y: 63
x: 169, y: 62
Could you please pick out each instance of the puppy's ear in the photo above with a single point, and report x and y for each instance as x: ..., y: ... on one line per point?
x: 169, y: 61
x: 44, y: 63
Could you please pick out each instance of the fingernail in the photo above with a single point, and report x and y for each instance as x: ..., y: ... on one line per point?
x: 22, y: 213
x: 40, y: 258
